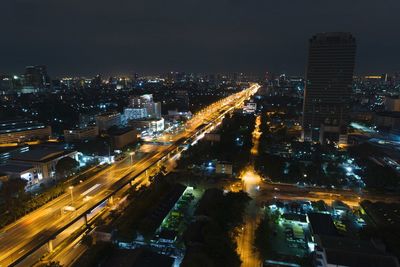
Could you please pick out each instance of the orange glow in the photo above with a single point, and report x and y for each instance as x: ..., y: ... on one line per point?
x: 256, y: 137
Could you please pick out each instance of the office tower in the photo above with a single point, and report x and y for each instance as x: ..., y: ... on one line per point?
x: 37, y: 77
x: 328, y: 87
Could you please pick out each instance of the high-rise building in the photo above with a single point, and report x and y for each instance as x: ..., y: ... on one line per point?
x: 328, y: 87
x: 37, y: 77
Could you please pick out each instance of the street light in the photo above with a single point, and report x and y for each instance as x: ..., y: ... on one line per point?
x: 131, y: 154
x: 72, y: 196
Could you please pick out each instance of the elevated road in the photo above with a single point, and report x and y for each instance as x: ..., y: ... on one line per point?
x: 20, y: 239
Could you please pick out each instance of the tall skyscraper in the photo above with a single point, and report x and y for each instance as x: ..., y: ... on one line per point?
x: 328, y: 87
x: 37, y: 77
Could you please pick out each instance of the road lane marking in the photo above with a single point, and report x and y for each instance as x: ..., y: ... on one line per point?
x: 90, y: 189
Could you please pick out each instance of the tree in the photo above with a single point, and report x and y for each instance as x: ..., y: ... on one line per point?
x: 13, y: 187
x: 66, y: 166
x: 262, y: 238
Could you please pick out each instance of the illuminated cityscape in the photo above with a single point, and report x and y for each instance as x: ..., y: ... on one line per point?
x: 199, y: 134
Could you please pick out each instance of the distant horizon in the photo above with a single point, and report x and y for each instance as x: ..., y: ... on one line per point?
x: 109, y: 75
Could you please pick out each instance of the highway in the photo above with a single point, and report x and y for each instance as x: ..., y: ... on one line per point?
x: 29, y: 231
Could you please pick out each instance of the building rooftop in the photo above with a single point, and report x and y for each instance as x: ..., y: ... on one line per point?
x: 15, y: 168
x: 355, y: 253
x: 40, y: 155
x: 355, y: 259
x: 19, y: 125
x: 108, y: 114
x: 322, y: 224
x: 120, y: 131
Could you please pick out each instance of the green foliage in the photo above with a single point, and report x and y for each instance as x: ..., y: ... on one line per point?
x: 21, y: 203
x: 262, y: 236
x: 66, y: 166
x: 218, y: 247
x: 13, y: 188
x: 94, y: 255
x: 132, y: 219
x: 228, y: 149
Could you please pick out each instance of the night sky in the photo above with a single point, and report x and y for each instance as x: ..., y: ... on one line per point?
x: 84, y: 37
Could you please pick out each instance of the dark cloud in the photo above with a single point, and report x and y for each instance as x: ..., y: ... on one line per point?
x: 123, y: 36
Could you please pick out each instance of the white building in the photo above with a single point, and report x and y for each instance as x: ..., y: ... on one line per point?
x: 143, y: 107
x: 151, y: 126
x: 35, y: 166
x: 135, y: 113
x: 250, y: 108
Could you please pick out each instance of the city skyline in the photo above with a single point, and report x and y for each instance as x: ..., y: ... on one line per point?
x: 227, y: 36
x: 199, y: 133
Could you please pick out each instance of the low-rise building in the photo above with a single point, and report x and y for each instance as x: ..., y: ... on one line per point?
x: 224, y: 168
x: 26, y: 172
x: 250, y: 108
x: 7, y: 152
x: 123, y: 137
x: 44, y: 160
x: 148, y: 125
x: 87, y: 133
x: 23, y: 131
x: 106, y: 120
x: 333, y: 251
